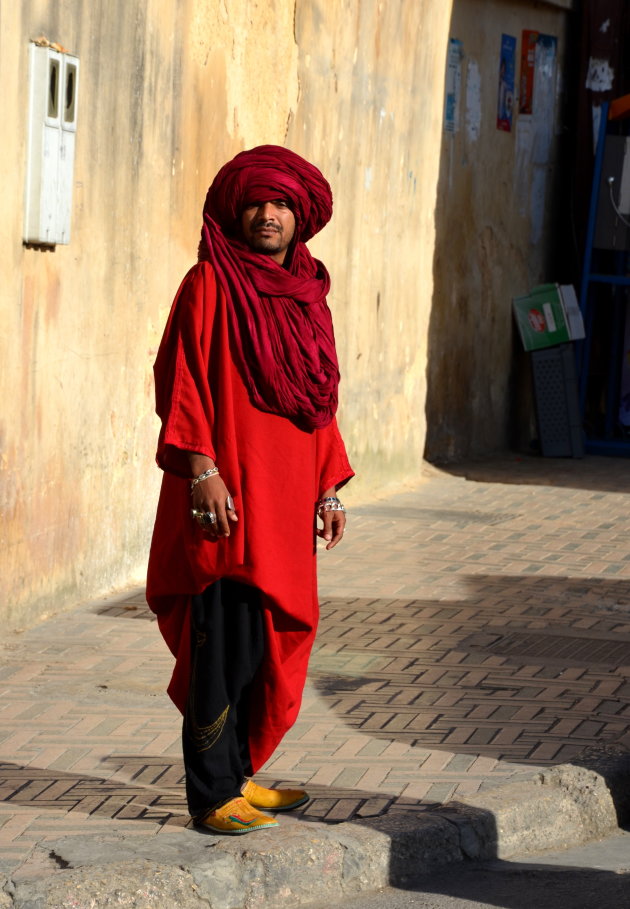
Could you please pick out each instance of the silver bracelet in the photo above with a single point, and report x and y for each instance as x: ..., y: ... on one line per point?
x: 212, y: 472
x: 329, y: 503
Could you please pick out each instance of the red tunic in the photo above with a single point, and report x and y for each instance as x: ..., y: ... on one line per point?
x: 275, y: 473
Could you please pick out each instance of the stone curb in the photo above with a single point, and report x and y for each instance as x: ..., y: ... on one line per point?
x: 304, y: 863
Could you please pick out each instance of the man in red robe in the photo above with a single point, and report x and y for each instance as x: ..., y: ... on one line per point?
x: 246, y: 388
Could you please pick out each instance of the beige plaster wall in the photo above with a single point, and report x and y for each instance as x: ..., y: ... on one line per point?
x: 169, y: 90
x: 494, y: 224
x: 370, y: 112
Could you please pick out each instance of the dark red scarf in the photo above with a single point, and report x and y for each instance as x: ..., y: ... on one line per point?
x: 284, y: 343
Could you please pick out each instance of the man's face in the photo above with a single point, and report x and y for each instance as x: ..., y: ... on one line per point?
x: 268, y: 227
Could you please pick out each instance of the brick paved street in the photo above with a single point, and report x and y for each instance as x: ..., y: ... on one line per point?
x: 473, y: 629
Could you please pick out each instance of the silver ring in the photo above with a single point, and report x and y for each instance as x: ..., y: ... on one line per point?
x: 204, y: 517
x: 229, y: 503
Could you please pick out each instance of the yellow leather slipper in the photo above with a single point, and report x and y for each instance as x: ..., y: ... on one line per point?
x: 273, y: 799
x: 234, y: 818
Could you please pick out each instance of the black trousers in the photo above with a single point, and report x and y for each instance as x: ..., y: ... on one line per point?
x: 227, y: 650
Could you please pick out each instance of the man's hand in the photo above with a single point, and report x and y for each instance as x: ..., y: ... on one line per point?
x: 334, y: 523
x: 211, y: 495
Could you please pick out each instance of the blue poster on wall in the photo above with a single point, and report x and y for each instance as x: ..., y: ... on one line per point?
x: 507, y: 66
x: 453, y: 85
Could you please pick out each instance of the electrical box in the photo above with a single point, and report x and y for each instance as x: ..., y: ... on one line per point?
x: 53, y: 95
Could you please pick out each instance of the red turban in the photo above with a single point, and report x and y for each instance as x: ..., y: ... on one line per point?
x: 267, y: 172
x: 282, y: 330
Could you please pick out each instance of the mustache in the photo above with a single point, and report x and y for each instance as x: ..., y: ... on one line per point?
x: 266, y: 222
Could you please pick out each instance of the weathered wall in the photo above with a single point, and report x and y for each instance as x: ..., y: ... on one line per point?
x: 494, y: 229
x: 169, y: 90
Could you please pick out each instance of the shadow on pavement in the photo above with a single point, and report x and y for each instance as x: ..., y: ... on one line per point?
x: 142, y: 788
x: 601, y: 474
x: 504, y: 885
x: 520, y: 669
x: 515, y: 885
x: 160, y: 799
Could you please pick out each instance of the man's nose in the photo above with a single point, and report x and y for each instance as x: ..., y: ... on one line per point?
x: 266, y: 211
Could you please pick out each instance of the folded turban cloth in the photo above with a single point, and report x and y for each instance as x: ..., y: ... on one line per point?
x: 284, y: 344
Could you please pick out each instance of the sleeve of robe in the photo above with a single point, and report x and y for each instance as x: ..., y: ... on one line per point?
x: 184, y: 369
x: 183, y: 398
x: 333, y: 463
